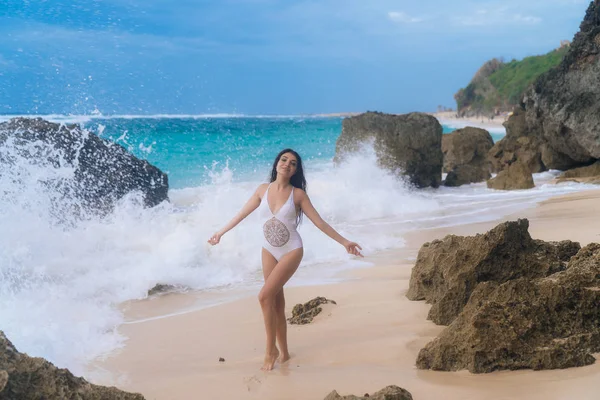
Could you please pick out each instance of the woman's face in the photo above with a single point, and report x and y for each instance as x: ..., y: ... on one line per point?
x: 287, y: 165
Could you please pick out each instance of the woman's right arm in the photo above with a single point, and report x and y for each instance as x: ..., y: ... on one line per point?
x: 251, y: 205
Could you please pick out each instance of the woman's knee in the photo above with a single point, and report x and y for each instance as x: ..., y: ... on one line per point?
x: 266, y: 299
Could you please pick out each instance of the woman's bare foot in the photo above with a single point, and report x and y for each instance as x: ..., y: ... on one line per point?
x: 284, y: 357
x: 270, y: 360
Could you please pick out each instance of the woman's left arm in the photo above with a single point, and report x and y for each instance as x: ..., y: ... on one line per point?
x: 309, y: 210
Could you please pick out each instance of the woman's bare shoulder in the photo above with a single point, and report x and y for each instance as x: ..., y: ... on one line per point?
x: 299, y: 194
x: 261, y: 189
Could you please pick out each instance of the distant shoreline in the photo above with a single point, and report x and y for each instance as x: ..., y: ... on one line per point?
x: 450, y: 119
x: 447, y: 118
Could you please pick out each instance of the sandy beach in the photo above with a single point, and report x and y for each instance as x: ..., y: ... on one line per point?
x: 450, y: 119
x: 369, y: 340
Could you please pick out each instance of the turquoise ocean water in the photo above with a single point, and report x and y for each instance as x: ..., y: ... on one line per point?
x: 189, y: 149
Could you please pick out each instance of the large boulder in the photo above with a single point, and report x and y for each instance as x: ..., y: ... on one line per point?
x: 559, y: 115
x: 516, y: 176
x: 545, y: 323
x: 447, y: 271
x: 408, y: 143
x: 466, y: 156
x: 104, y: 172
x: 29, y: 378
x: 391, y: 392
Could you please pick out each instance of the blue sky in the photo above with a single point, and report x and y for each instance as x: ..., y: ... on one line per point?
x: 261, y: 56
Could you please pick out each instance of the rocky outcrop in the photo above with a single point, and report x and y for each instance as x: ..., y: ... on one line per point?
x: 29, y: 378
x: 409, y: 144
x: 447, y: 271
x: 557, y: 124
x: 303, y: 314
x: 466, y: 156
x: 518, y: 144
x: 589, y: 174
x: 545, y: 323
x: 516, y: 176
x: 104, y: 172
x: 391, y: 392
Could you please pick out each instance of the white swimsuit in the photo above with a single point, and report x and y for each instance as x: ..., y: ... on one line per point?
x: 279, y: 229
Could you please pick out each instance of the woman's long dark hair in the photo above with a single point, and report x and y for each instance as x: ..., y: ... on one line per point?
x: 297, y: 180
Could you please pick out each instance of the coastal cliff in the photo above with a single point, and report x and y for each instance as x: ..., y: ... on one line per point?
x: 557, y: 123
x: 498, y: 86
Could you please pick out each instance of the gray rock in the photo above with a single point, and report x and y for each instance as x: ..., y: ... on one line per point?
x: 162, y: 288
x: 31, y: 378
x: 516, y: 176
x: 589, y: 174
x: 518, y: 144
x: 464, y: 174
x: 391, y: 392
x: 3, y: 380
x: 560, y: 113
x: 104, y: 173
x: 409, y: 144
x: 466, y: 156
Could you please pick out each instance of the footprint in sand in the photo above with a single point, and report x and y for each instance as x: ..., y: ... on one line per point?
x: 252, y: 383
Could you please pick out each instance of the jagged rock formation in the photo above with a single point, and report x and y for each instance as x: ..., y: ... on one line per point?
x: 447, y: 271
x: 516, y: 176
x: 409, y: 144
x: 557, y: 124
x: 465, y: 156
x: 31, y: 378
x: 544, y: 323
x: 391, y: 392
x: 104, y: 172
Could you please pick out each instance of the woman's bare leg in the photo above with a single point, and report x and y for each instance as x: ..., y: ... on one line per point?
x: 269, y: 264
x: 281, y: 330
x: 274, y: 282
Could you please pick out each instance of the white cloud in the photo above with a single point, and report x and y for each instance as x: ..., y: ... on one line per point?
x: 497, y: 16
x: 399, y: 16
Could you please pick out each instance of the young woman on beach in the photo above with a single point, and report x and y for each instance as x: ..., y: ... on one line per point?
x: 282, y: 203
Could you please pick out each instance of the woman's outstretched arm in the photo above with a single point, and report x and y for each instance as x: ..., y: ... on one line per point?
x: 309, y: 210
x: 251, y: 205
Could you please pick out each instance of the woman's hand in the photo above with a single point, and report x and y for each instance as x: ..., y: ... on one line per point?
x: 353, y: 248
x: 215, y: 239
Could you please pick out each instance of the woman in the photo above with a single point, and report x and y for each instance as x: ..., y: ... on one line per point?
x: 282, y: 203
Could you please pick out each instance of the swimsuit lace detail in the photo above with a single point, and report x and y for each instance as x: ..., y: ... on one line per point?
x: 279, y: 229
x: 276, y: 233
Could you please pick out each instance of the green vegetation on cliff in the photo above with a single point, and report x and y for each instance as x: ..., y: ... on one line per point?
x: 498, y: 86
